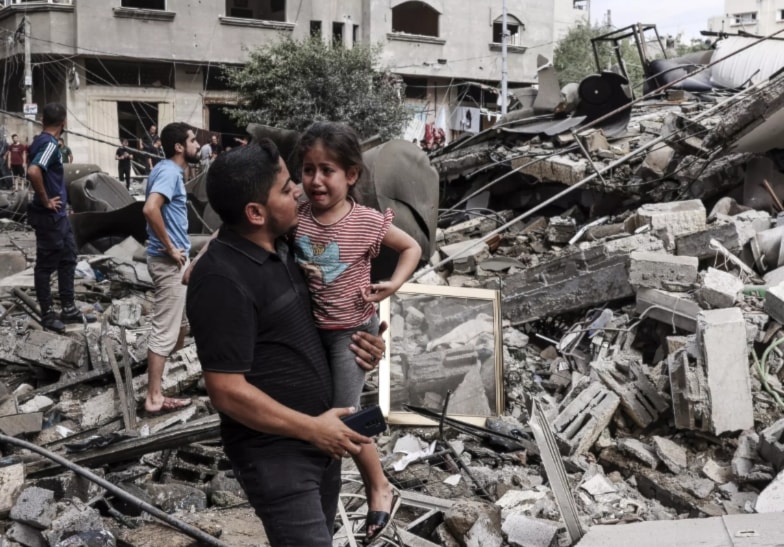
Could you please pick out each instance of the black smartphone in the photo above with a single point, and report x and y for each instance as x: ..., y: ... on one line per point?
x: 368, y: 421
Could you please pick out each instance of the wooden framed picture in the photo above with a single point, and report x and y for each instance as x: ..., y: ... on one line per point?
x: 442, y: 340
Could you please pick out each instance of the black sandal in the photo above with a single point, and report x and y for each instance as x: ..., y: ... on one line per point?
x: 381, y: 519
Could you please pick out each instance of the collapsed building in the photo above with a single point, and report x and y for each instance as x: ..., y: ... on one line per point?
x: 639, y: 265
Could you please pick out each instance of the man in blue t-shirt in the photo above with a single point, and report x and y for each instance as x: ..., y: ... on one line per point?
x: 167, y: 256
x: 55, y: 248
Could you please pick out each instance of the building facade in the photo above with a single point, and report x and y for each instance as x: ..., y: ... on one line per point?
x: 760, y: 17
x: 121, y: 65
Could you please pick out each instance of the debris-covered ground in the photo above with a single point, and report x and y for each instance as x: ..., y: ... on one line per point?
x: 642, y: 322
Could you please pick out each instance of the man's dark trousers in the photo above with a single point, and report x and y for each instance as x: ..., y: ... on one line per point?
x: 55, y: 251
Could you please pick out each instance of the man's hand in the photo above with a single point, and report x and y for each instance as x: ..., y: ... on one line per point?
x: 369, y: 349
x: 53, y: 203
x: 178, y: 255
x: 334, y: 437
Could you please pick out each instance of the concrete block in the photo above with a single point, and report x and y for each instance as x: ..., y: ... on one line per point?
x: 639, y: 397
x: 35, y: 507
x: 101, y: 408
x: 675, y: 218
x: 126, y: 312
x: 689, y: 389
x: 657, y: 163
x: 639, y: 242
x: 12, y: 478
x: 771, y: 444
x: 39, y: 403
x: 663, y: 271
x: 584, y: 418
x: 674, y: 309
x: 771, y: 500
x: 774, y: 303
x: 774, y: 277
x: 553, y: 169
x: 722, y: 335
x: 523, y: 531
x: 720, y: 474
x: 719, y: 289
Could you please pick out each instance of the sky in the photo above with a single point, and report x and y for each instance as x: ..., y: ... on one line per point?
x: 669, y: 16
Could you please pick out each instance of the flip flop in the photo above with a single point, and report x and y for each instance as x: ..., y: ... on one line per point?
x: 169, y: 405
x: 381, y: 518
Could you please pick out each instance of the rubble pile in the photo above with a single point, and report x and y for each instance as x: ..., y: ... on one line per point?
x: 642, y: 351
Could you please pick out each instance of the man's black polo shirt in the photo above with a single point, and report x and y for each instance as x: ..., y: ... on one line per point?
x: 250, y: 313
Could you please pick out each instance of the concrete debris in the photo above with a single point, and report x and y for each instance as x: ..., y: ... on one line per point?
x: 645, y: 330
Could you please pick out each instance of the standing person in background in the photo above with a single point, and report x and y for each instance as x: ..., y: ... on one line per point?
x: 17, y: 161
x: 205, y: 156
x: 124, y: 157
x: 167, y: 256
x: 149, y: 138
x: 157, y: 148
x: 55, y: 248
x: 215, y: 147
x: 65, y: 152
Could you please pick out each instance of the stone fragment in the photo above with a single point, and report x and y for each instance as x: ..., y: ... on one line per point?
x: 523, y: 531
x: 719, y: 289
x: 745, y: 454
x: 699, y: 488
x: 484, y: 533
x: 49, y: 350
x: 126, y: 312
x: 722, y: 335
x: 177, y: 497
x: 12, y: 479
x: 673, y: 455
x: 464, y: 514
x: 35, y: 507
x: 658, y: 163
x: 39, y: 403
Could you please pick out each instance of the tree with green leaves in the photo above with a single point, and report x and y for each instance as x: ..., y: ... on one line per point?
x: 290, y: 84
x: 574, y: 59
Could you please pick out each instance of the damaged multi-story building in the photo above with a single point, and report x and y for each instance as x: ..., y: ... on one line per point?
x: 121, y: 65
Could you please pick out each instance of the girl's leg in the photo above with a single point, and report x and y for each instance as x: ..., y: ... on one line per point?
x: 348, y: 380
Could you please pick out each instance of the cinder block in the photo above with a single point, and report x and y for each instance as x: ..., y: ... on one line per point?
x: 689, y: 388
x: 675, y: 218
x: 722, y: 335
x: 584, y: 418
x: 663, y: 271
x: 774, y: 303
x: 719, y: 289
x: 639, y: 397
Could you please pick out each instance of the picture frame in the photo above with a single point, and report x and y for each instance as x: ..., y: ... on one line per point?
x: 442, y: 339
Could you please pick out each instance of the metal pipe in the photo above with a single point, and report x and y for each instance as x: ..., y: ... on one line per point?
x: 183, y: 527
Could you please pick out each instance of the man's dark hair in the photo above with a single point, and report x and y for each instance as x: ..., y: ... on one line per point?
x: 14, y: 135
x: 243, y: 175
x: 54, y: 114
x: 174, y: 133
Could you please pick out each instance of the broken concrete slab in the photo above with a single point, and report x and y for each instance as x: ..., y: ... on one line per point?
x: 18, y: 424
x: 35, y: 507
x: 722, y: 336
x: 771, y: 499
x: 673, y: 455
x: 673, y: 219
x: 49, y: 350
x: 774, y: 303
